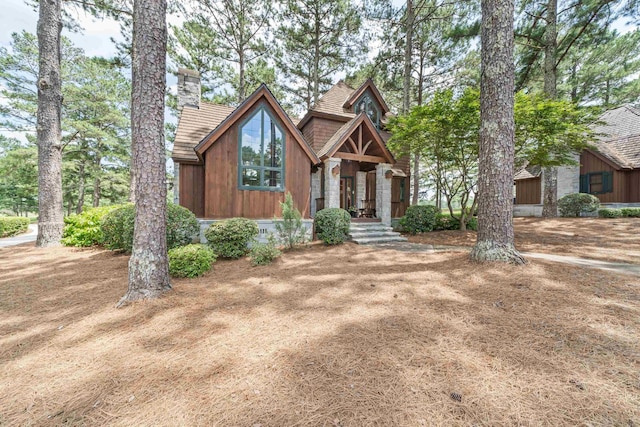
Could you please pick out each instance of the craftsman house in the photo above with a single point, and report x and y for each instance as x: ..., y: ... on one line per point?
x: 240, y: 162
x: 610, y: 170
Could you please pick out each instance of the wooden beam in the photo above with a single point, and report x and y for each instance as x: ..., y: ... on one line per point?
x: 360, y: 151
x: 353, y: 145
x: 360, y: 157
x: 366, y: 146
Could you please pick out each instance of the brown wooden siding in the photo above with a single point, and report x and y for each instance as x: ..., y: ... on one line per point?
x: 632, y: 180
x: 589, y: 163
x: 322, y: 130
x: 223, y: 198
x: 191, y: 188
x: 528, y: 191
x: 398, y: 207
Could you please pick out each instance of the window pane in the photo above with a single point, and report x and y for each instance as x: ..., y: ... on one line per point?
x: 273, y: 178
x: 273, y: 150
x: 251, y: 177
x: 251, y: 142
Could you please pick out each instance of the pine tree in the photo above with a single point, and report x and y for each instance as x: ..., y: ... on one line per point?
x: 495, y: 181
x: 49, y: 132
x: 318, y: 38
x: 148, y: 265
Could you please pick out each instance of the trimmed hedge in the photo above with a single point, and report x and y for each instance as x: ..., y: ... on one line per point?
x: 84, y: 230
x: 419, y: 219
x: 572, y: 205
x: 610, y: 213
x: 630, y: 212
x: 13, y: 225
x: 332, y: 225
x: 191, y: 260
x: 230, y: 238
x: 117, y: 227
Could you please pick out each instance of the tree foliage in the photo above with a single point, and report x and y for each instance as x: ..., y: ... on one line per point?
x: 316, y: 40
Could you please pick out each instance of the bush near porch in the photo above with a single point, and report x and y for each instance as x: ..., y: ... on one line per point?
x: 332, y: 225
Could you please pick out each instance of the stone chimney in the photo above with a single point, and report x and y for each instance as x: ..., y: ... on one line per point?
x: 188, y: 88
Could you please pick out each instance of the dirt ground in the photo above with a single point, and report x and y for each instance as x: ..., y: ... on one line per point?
x: 342, y: 336
x: 593, y: 238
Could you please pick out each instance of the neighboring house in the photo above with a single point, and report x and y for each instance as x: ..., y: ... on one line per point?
x: 240, y: 162
x: 610, y: 171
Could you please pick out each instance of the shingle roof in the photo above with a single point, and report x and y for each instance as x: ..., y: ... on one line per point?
x: 195, y: 124
x: 527, y: 172
x: 619, y: 136
x: 333, y: 100
x: 618, y: 122
x: 623, y: 151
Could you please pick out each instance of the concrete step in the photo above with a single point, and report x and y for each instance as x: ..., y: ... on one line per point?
x: 382, y: 239
x: 358, y: 229
x: 364, y: 234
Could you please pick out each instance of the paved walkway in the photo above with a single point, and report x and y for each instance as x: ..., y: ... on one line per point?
x: 23, y: 238
x: 616, y: 267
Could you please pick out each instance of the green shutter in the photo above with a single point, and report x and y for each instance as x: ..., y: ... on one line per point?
x: 607, y: 182
x: 584, y: 183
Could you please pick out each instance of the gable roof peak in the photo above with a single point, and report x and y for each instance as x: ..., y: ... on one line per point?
x: 259, y: 94
x: 371, y: 86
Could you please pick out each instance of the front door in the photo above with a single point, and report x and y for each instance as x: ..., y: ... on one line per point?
x: 347, y: 192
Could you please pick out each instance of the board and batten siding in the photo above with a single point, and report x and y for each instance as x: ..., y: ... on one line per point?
x: 528, y: 191
x: 589, y: 163
x: 223, y: 198
x: 632, y: 180
x: 192, y: 188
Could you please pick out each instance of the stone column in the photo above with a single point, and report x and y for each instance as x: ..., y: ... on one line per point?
x: 316, y: 187
x: 361, y: 188
x: 569, y: 178
x: 176, y: 183
x: 383, y: 193
x: 332, y: 182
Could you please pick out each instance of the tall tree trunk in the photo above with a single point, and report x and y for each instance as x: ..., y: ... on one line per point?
x: 241, y: 77
x: 495, y: 182
x: 408, y: 51
x: 97, y: 190
x: 316, y: 58
x: 50, y: 209
x: 81, y: 186
x: 148, y: 265
x: 550, y: 199
x: 416, y: 179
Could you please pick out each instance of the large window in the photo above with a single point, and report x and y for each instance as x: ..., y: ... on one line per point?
x: 261, y: 153
x: 596, y: 183
x: 369, y: 106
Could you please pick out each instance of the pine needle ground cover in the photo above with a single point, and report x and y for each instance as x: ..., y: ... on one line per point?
x: 327, y: 336
x: 605, y: 239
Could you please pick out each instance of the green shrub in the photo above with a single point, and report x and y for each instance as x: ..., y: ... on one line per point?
x: 332, y: 225
x: 12, y: 225
x: 609, y: 213
x: 84, y: 229
x: 290, y: 229
x: 230, y: 238
x: 191, y: 260
x: 117, y: 227
x: 630, y: 212
x: 419, y: 218
x: 264, y: 253
x: 182, y: 226
x: 572, y: 205
x: 446, y: 222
